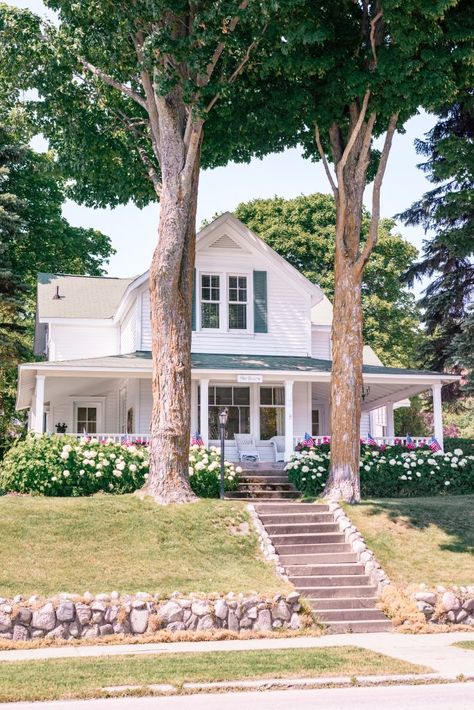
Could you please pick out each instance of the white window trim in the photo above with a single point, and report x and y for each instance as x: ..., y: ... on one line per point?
x: 207, y: 272
x: 247, y: 302
x: 224, y: 302
x: 91, y: 401
x: 227, y: 383
x: 268, y: 385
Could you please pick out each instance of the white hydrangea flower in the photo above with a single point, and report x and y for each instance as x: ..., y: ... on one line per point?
x: 447, y: 483
x: 458, y: 452
x: 66, y: 473
x: 132, y: 467
x: 392, y: 462
x: 305, y: 469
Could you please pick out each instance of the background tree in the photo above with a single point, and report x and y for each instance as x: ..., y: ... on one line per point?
x: 33, y: 237
x: 447, y: 260
x: 351, y: 72
x: 302, y: 230
x: 128, y: 87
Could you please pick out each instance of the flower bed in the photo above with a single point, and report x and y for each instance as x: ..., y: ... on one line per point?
x: 63, y: 466
x: 393, y: 471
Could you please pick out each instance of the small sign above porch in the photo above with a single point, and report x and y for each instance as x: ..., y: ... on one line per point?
x: 249, y: 378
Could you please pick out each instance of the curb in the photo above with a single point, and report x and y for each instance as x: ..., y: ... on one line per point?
x: 287, y: 683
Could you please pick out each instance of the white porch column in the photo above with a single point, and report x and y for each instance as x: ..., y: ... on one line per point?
x: 204, y: 418
x: 437, y: 414
x: 194, y: 408
x: 390, y: 422
x: 288, y: 419
x: 39, y: 404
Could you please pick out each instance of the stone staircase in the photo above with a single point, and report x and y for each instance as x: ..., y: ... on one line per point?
x: 264, y: 481
x: 319, y: 562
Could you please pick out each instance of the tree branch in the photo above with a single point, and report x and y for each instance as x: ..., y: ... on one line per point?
x: 373, y: 27
x: 375, y: 219
x: 317, y: 138
x: 353, y: 136
x: 204, y: 79
x: 107, y: 79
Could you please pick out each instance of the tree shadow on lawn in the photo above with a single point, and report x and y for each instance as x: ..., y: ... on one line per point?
x: 452, y: 514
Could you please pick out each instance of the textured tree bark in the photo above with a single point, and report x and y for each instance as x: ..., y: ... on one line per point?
x: 346, y: 384
x: 171, y: 283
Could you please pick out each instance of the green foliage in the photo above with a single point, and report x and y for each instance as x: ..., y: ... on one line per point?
x: 410, y: 420
x: 64, y: 466
x: 467, y: 445
x: 448, y: 212
x: 302, y: 230
x: 34, y: 236
x: 204, y: 472
x: 391, y: 472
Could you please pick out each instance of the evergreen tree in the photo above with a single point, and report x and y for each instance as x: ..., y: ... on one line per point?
x: 447, y: 259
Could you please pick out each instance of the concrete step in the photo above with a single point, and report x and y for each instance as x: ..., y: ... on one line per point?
x: 277, y: 508
x: 343, y: 603
x: 295, y: 571
x: 321, y: 559
x: 261, y: 466
x: 338, y: 580
x: 311, y: 594
x: 311, y: 548
x: 300, y: 528
x: 285, y: 486
x: 268, y: 480
x: 359, y: 627
x: 350, y: 615
x: 308, y: 539
x: 298, y: 518
x: 258, y: 494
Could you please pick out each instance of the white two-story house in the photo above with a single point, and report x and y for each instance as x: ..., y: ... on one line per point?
x: 260, y: 347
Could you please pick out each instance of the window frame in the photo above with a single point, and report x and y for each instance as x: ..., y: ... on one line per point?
x: 219, y: 302
x: 90, y: 402
x: 238, y: 276
x: 270, y: 406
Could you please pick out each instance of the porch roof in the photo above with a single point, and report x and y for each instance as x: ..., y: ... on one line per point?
x: 141, y: 361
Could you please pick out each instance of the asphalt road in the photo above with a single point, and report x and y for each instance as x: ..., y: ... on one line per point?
x: 455, y: 696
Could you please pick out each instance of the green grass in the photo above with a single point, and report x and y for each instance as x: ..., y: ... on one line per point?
x: 417, y: 540
x: 102, y: 543
x: 469, y: 645
x: 68, y: 678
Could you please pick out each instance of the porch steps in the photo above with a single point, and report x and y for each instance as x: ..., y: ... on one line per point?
x: 262, y: 481
x: 322, y: 566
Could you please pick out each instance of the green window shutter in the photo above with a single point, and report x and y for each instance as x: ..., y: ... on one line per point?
x: 193, y: 316
x: 260, y: 310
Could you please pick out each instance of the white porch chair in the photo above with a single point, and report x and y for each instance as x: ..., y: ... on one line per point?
x: 278, y: 447
x: 246, y: 447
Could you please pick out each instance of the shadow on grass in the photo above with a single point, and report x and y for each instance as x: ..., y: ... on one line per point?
x: 452, y: 514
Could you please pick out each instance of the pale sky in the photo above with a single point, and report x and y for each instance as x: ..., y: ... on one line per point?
x: 133, y: 231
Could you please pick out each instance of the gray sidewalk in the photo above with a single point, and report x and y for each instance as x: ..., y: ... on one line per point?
x: 432, y: 650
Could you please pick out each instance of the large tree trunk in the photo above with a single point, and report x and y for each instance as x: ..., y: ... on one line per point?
x: 171, y: 284
x: 347, y: 342
x: 346, y: 383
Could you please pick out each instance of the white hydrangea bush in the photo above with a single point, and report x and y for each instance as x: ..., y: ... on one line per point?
x: 390, y: 471
x: 61, y: 465
x: 205, y: 470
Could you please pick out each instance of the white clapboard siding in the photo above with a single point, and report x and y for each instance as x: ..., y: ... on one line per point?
x: 69, y: 342
x: 289, y: 326
x: 301, y: 413
x: 321, y: 343
x: 62, y: 403
x: 128, y: 329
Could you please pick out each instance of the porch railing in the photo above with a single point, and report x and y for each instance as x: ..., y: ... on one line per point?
x: 145, y: 438
x: 381, y: 440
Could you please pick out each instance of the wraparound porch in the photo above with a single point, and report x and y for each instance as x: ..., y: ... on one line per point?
x: 265, y: 395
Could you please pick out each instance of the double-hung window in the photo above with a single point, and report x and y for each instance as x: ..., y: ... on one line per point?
x: 237, y: 303
x: 210, y: 301
x: 272, y: 412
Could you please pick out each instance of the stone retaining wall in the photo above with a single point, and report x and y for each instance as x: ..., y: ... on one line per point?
x: 446, y: 606
x: 88, y: 616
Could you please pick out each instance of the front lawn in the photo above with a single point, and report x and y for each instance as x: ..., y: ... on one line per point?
x: 102, y: 543
x: 418, y: 540
x: 468, y: 645
x: 72, y: 678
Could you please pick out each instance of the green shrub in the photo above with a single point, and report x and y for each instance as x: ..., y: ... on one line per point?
x: 467, y: 445
x: 64, y: 466
x: 391, y: 472
x: 204, y: 472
